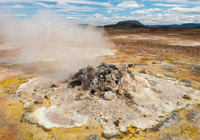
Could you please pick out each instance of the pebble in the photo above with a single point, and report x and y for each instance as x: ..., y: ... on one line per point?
x: 93, y: 137
x: 109, y: 95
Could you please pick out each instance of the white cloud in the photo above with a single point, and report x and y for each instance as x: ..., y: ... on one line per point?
x: 179, y: 1
x: 145, y: 11
x: 98, y: 15
x: 68, y: 8
x: 21, y: 15
x: 72, y: 18
x: 168, y: 5
x: 45, y: 5
x: 88, y: 2
x: 149, y: 19
x: 65, y: 7
x: 109, y: 11
x: 17, y: 6
x: 180, y: 10
x: 129, y: 4
x: 176, y: 14
x: 82, y: 2
x: 183, y: 1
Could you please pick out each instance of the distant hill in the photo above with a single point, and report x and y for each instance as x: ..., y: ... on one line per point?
x: 126, y: 24
x: 135, y: 23
x: 191, y: 25
x: 131, y: 21
x: 185, y: 25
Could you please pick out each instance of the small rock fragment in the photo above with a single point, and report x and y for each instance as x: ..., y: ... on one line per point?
x: 108, y: 95
x: 123, y: 129
x: 129, y: 95
x: 168, y: 137
x: 140, y: 64
x: 137, y: 132
x: 187, y: 97
x: 143, y: 71
x: 54, y: 86
x: 168, y: 68
x: 187, y: 82
x: 93, y: 137
x: 131, y: 65
x: 195, y: 67
x: 119, y: 91
x: 116, y: 123
x: 110, y: 136
x: 157, y: 62
x: 28, y: 105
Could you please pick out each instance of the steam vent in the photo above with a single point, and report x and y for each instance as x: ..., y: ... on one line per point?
x: 109, y: 97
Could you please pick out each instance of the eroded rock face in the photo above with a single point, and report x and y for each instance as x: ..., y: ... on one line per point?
x: 111, y: 95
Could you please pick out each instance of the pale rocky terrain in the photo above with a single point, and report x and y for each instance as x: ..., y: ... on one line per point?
x: 113, y: 96
x: 148, y: 88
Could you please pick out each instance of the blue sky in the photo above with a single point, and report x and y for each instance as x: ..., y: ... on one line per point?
x: 101, y: 12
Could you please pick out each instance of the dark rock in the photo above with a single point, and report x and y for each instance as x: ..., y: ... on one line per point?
x: 194, y: 114
x: 78, y: 97
x: 191, y: 114
x: 141, y: 64
x: 110, y: 136
x: 119, y: 92
x: 157, y: 62
x: 168, y: 137
x: 104, y: 81
x: 107, y: 88
x: 93, y: 91
x: 128, y: 95
x: 187, y: 97
x: 131, y: 65
x: 93, y: 137
x: 76, y: 83
x: 168, y: 68
x: 143, y: 71
x: 137, y: 132
x: 170, y: 120
x: 195, y: 67
x: 116, y: 123
x: 187, y: 82
x: 46, y: 97
x: 131, y: 102
x: 36, y: 102
x: 54, y: 86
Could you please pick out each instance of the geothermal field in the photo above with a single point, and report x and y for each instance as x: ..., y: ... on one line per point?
x: 60, y: 81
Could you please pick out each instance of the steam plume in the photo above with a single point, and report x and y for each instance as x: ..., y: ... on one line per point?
x: 49, y: 38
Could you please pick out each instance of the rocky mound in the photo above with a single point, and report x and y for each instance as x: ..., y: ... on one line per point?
x: 112, y: 96
x: 106, y: 81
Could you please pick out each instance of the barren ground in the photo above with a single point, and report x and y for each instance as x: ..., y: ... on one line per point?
x: 160, y: 52
x: 159, y: 48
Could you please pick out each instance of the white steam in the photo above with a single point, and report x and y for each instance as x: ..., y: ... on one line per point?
x: 42, y: 39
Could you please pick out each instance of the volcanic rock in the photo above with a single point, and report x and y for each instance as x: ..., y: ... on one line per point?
x: 105, y: 80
